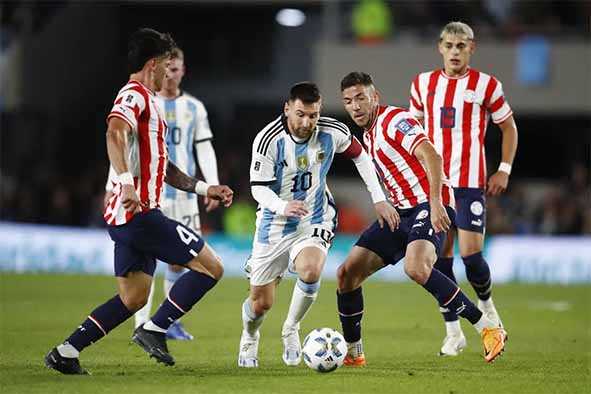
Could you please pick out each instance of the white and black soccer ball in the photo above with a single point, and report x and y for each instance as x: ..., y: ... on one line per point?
x: 324, y: 350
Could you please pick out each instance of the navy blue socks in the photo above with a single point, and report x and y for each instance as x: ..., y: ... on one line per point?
x: 185, y: 293
x: 350, y: 313
x: 478, y: 274
x: 98, y: 324
x: 450, y: 296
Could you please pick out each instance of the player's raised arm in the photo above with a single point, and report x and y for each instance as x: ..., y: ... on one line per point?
x: 178, y: 179
x: 497, y: 183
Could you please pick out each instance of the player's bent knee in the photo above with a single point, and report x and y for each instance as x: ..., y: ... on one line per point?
x: 134, y: 301
x: 417, y: 269
x: 261, y: 306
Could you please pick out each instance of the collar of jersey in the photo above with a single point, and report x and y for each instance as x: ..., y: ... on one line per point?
x: 381, y: 109
x: 144, y: 86
x: 286, y: 129
x: 464, y: 75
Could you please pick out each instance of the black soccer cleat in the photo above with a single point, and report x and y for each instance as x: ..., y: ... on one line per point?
x: 153, y: 343
x: 65, y: 365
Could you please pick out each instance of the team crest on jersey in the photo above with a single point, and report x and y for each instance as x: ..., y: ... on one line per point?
x: 407, y: 126
x: 302, y: 162
x: 320, y: 156
x: 469, y: 96
x: 171, y: 116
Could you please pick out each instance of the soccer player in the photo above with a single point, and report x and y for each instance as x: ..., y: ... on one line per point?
x: 296, y: 218
x: 135, y: 144
x: 412, y: 172
x: 454, y: 104
x: 189, y: 136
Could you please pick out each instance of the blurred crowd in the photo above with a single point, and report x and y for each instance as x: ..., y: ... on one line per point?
x: 554, y: 207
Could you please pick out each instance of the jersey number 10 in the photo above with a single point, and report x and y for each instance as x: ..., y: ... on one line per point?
x: 301, y: 182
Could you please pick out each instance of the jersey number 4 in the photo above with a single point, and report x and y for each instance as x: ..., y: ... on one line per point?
x: 301, y: 182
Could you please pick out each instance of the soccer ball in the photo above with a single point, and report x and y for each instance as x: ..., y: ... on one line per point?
x: 324, y: 350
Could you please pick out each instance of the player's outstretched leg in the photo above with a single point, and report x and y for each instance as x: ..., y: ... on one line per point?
x: 205, y: 271
x: 304, y: 295
x: 308, y: 262
x: 350, y: 306
x: 478, y: 274
x: 64, y: 357
x: 455, y: 340
x: 176, y: 331
x: 358, y: 266
x: 249, y: 340
x: 417, y: 265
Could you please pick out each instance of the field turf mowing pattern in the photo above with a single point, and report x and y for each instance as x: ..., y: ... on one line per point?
x: 549, y: 350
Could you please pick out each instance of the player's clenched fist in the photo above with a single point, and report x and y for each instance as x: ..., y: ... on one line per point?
x: 221, y: 193
x: 439, y: 218
x: 296, y: 208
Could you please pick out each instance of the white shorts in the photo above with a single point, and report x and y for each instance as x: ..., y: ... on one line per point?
x: 270, y: 261
x: 183, y: 210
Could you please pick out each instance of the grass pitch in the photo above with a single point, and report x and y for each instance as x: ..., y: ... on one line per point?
x: 549, y: 350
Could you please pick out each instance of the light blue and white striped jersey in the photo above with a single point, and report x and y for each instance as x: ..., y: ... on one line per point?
x: 187, y: 122
x: 295, y: 171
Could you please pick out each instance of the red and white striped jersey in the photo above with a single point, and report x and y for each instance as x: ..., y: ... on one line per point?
x: 136, y: 105
x: 391, y: 142
x: 456, y: 112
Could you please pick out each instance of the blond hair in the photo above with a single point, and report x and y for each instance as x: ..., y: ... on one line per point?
x: 457, y: 28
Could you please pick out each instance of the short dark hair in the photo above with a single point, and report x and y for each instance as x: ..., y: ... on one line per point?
x: 356, y: 78
x: 306, y: 91
x: 145, y: 44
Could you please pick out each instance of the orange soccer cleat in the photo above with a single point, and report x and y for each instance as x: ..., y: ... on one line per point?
x: 493, y: 340
x: 358, y: 361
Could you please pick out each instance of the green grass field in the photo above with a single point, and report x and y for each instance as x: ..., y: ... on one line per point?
x: 549, y: 349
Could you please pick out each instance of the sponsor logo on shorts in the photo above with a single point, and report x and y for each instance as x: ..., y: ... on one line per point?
x: 477, y: 222
x: 422, y: 215
x: 476, y: 208
x: 418, y: 224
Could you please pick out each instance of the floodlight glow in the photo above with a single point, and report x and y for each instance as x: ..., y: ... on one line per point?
x: 290, y: 17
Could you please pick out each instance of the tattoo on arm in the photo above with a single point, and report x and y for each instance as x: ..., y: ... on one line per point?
x: 178, y: 179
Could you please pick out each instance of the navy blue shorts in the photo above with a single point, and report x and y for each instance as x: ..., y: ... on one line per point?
x: 150, y: 236
x: 415, y: 223
x: 470, y: 209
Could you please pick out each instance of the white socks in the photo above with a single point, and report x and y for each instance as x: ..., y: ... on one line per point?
x: 304, y: 295
x: 453, y: 327
x: 143, y: 315
x: 355, y: 349
x: 68, y: 351
x: 250, y: 321
x: 483, y: 323
x: 150, y: 326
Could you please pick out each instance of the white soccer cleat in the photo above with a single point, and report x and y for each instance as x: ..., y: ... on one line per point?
x: 488, y: 308
x: 292, y: 349
x: 453, y: 345
x: 248, y: 352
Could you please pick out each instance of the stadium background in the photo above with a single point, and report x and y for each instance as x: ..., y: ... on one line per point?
x: 61, y: 64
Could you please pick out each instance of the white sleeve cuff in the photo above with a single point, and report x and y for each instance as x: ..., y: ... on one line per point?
x: 268, y: 199
x: 368, y: 174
